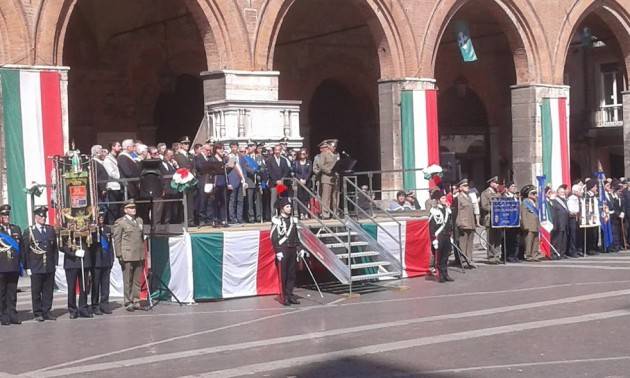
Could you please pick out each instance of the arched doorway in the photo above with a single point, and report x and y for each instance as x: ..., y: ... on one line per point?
x: 133, y: 71
x: 474, y: 101
x: 464, y: 133
x: 335, y: 110
x: 595, y: 69
x: 328, y: 58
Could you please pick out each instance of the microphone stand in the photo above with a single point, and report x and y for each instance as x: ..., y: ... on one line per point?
x: 151, y: 274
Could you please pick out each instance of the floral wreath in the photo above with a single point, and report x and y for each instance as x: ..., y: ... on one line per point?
x: 183, y: 180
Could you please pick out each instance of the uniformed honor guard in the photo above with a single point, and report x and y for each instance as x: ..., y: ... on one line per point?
x: 76, y: 263
x: 11, y: 257
x: 41, y: 255
x: 102, y: 263
x: 129, y: 248
x: 494, y: 236
x: 441, y: 228
x: 284, y: 236
x: 530, y: 224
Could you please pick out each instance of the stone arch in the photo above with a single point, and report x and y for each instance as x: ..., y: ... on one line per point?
x: 521, y: 25
x: 387, y: 23
x: 211, y: 19
x: 610, y: 11
x: 14, y: 37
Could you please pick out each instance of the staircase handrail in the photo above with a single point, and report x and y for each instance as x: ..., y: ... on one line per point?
x: 333, y: 214
x: 374, y: 244
x: 373, y: 219
x: 305, y: 228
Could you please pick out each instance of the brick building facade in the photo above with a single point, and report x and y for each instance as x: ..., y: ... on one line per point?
x: 310, y: 69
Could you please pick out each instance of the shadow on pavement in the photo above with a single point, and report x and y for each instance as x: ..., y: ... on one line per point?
x: 360, y: 367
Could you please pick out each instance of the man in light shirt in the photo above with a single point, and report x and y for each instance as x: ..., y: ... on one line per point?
x: 573, y: 204
x: 114, y: 192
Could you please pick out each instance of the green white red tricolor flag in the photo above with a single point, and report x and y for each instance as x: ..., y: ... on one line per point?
x: 419, y: 137
x: 555, y: 142
x: 33, y: 128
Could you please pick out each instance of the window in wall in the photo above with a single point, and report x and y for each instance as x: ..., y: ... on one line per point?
x: 610, y: 109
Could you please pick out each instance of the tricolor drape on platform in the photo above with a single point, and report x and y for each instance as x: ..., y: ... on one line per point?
x: 416, y: 244
x: 419, y: 134
x: 555, y: 142
x: 171, y: 262
x: 33, y: 131
x: 233, y: 264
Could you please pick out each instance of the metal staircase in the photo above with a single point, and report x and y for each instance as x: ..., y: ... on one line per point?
x: 345, y: 248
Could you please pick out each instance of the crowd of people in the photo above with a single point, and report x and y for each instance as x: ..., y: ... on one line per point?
x: 456, y: 214
x: 239, y: 185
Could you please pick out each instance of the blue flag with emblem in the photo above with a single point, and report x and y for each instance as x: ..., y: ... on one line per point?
x: 462, y: 33
x: 607, y: 236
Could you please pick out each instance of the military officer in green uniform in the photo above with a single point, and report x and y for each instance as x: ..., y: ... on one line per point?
x: 128, y: 242
x: 494, y: 236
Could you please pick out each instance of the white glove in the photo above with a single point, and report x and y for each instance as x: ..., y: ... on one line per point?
x: 622, y: 215
x: 435, y: 244
x: 29, y: 272
x: 279, y: 256
x: 302, y: 254
x: 80, y: 253
x: 452, y: 241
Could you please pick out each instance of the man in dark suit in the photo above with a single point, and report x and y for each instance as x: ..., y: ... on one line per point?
x: 560, y: 219
x: 205, y: 185
x: 279, y: 170
x: 41, y: 255
x: 76, y: 263
x: 129, y: 168
x: 11, y: 256
x: 614, y: 210
x: 102, y: 263
x: 185, y: 160
x: 166, y: 212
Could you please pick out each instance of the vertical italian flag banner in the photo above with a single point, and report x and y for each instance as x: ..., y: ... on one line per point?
x: 233, y: 264
x: 555, y: 142
x: 33, y: 131
x: 416, y: 244
x: 419, y: 134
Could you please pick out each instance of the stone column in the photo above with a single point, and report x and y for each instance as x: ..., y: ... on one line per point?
x: 626, y: 133
x: 526, y: 128
x: 390, y: 126
x: 495, y: 151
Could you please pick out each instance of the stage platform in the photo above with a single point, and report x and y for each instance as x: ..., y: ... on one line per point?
x: 209, y: 263
x: 178, y: 229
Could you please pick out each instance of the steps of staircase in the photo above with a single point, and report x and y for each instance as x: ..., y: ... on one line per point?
x: 337, y: 234
x: 358, y: 254
x: 374, y: 276
x: 372, y: 264
x: 352, y: 244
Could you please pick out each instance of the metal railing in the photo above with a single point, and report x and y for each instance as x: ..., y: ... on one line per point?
x: 124, y: 188
x: 609, y: 115
x: 371, y: 218
x: 325, y: 208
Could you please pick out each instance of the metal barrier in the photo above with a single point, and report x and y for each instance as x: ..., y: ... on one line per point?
x: 124, y: 184
x: 350, y: 191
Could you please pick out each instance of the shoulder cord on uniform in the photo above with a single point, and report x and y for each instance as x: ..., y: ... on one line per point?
x: 439, y: 219
x: 282, y: 230
x: 34, y: 244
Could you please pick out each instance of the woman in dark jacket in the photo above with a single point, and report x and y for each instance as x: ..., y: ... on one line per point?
x: 303, y: 170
